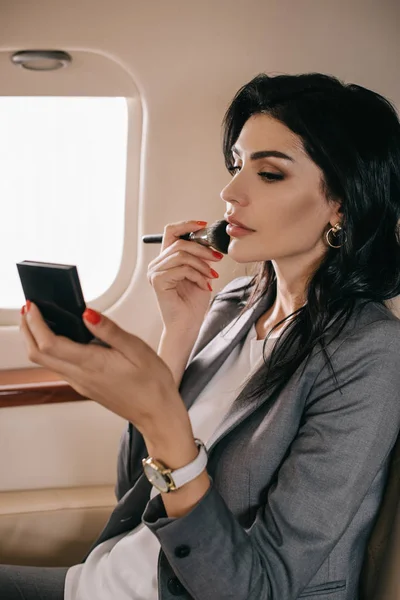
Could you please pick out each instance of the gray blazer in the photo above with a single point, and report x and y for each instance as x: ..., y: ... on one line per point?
x: 297, y: 477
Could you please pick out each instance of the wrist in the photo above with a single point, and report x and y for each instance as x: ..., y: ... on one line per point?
x: 174, y: 457
x: 172, y: 441
x: 172, y: 448
x: 174, y: 349
x: 187, y: 330
x: 181, y: 339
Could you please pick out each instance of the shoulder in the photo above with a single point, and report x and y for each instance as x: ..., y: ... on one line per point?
x: 357, y: 380
x: 366, y: 352
x: 234, y: 291
x: 225, y: 306
x: 230, y: 300
x: 372, y: 324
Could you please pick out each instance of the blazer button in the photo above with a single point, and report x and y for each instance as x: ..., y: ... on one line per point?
x: 182, y: 551
x: 175, y: 587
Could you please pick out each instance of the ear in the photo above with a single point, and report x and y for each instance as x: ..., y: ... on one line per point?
x: 336, y: 213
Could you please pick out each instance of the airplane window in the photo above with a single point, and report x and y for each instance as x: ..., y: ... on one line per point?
x: 62, y: 188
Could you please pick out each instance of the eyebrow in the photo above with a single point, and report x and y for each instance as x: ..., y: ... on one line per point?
x: 265, y: 154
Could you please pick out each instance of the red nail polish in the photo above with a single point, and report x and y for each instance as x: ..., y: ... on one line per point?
x: 28, y: 305
x: 23, y: 310
x: 214, y: 273
x: 92, y: 316
x: 217, y: 254
x: 204, y: 223
x: 209, y: 287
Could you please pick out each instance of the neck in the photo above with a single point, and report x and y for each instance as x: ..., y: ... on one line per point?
x: 291, y: 285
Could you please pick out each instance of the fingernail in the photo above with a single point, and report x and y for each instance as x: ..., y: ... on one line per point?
x: 92, y: 316
x: 209, y: 287
x: 23, y: 310
x: 204, y: 223
x: 217, y: 254
x: 27, y: 306
x: 214, y: 273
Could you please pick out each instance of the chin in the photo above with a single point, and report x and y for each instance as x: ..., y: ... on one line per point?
x: 240, y: 254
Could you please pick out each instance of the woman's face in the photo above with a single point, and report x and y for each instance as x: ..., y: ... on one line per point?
x: 280, y: 199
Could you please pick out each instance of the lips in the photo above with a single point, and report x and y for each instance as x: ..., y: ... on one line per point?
x: 237, y: 223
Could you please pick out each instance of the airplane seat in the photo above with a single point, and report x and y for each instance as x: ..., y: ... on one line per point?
x: 380, y: 576
x: 53, y: 527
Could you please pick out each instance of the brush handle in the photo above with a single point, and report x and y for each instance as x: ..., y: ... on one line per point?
x: 158, y: 238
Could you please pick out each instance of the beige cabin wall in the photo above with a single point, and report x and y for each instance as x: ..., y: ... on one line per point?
x: 187, y: 60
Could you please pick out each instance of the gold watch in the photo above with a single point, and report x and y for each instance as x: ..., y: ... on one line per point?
x: 166, y: 480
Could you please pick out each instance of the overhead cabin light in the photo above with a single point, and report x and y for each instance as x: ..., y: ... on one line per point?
x: 41, y: 60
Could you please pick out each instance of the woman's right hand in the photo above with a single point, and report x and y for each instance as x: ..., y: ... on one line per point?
x: 180, y: 276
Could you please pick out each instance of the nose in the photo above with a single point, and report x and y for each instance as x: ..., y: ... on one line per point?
x: 231, y: 193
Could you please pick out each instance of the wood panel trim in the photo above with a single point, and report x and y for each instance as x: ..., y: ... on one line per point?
x: 27, y: 387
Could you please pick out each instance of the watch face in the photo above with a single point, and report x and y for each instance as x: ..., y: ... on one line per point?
x: 155, y: 478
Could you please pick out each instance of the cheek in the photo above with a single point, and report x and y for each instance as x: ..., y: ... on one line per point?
x: 293, y: 221
x: 288, y: 221
x: 298, y: 208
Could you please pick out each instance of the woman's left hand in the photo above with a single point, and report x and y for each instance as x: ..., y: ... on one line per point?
x: 128, y: 378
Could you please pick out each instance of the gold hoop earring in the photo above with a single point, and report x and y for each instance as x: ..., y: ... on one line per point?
x: 333, y: 231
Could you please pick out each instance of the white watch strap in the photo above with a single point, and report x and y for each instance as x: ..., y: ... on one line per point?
x: 193, y: 469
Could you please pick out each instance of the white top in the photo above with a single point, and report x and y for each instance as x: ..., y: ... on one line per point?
x: 125, y: 567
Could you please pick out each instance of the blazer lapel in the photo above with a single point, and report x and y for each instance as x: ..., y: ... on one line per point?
x: 207, y: 362
x: 237, y: 414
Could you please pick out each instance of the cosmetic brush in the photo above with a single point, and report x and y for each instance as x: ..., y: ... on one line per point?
x: 215, y: 236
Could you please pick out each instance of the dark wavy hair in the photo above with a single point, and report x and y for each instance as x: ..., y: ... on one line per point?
x: 353, y: 135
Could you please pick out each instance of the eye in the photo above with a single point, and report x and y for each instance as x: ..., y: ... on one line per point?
x: 270, y: 176
x: 234, y: 170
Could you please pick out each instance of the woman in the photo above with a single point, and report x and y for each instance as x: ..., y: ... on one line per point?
x: 292, y: 378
